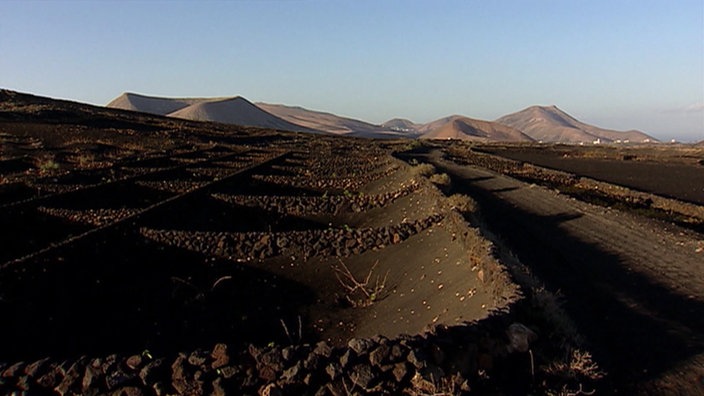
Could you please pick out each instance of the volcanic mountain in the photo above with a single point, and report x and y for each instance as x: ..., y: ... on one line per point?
x: 465, y: 128
x: 233, y: 110
x: 550, y: 124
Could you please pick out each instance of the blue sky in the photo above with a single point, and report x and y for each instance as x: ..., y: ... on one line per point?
x: 616, y: 64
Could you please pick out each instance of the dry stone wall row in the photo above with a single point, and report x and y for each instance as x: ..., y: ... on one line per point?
x: 301, y: 205
x: 308, y: 243
x: 325, y: 184
x: 453, y: 360
x: 94, y: 217
x: 172, y: 186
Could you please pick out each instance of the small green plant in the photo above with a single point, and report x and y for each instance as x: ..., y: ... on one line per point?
x: 47, y: 165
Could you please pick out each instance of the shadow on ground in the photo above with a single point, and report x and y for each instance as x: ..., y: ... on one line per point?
x: 637, y: 328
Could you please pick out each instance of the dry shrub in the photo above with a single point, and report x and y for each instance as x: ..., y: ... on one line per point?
x: 441, y: 180
x: 580, y: 366
x: 445, y: 386
x: 423, y: 170
x: 370, y: 292
x: 463, y: 203
x: 47, y: 164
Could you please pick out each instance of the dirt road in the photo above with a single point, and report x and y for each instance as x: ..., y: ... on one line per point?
x: 635, y: 287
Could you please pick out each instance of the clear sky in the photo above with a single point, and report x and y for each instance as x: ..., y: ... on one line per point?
x: 617, y: 64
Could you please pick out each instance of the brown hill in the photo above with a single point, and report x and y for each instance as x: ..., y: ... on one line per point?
x: 151, y: 104
x: 326, y: 122
x: 402, y: 125
x: 550, y: 124
x: 465, y: 128
x: 234, y: 110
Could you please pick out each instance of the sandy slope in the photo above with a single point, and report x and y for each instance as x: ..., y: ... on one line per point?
x: 320, y: 120
x: 550, y: 124
x: 235, y: 110
x: 464, y: 128
x: 151, y: 104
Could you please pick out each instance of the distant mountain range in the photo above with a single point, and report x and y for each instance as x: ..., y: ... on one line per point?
x: 536, y: 123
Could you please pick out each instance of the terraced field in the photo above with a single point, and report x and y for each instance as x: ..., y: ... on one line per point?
x: 201, y: 259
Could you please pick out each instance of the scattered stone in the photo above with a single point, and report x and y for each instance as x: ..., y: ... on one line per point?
x: 400, y: 371
x: 398, y: 353
x: 360, y: 346
x: 271, y: 390
x: 312, y: 362
x: 72, y: 381
x: 128, y: 391
x: 198, y: 358
x: 520, y: 337
x: 118, y: 378
x: 293, y: 374
x: 220, y: 356
x: 334, y: 370
x: 323, y: 349
x: 37, y: 368
x: 363, y: 375
x: 134, y: 362
x: 347, y: 358
x: 417, y: 358
x: 14, y: 370
x: 154, y: 370
x: 217, y: 388
x: 160, y: 388
x: 93, y: 378
x: 379, y: 355
x: 52, y: 378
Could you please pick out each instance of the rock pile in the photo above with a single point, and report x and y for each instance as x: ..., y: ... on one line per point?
x: 173, y: 186
x: 300, y: 205
x: 94, y: 217
x: 327, y: 183
x: 453, y: 360
x: 308, y: 243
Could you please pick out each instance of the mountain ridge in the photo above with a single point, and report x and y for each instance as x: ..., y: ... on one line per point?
x: 466, y: 128
x: 229, y: 110
x: 534, y: 123
x: 551, y: 124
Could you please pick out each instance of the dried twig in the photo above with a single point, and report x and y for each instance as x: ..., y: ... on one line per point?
x: 371, y: 293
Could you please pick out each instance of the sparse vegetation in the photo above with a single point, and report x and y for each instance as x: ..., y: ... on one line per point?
x: 424, y: 170
x: 442, y: 180
x: 47, y: 165
x: 445, y: 386
x: 361, y: 293
x: 462, y: 203
x: 413, y: 145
